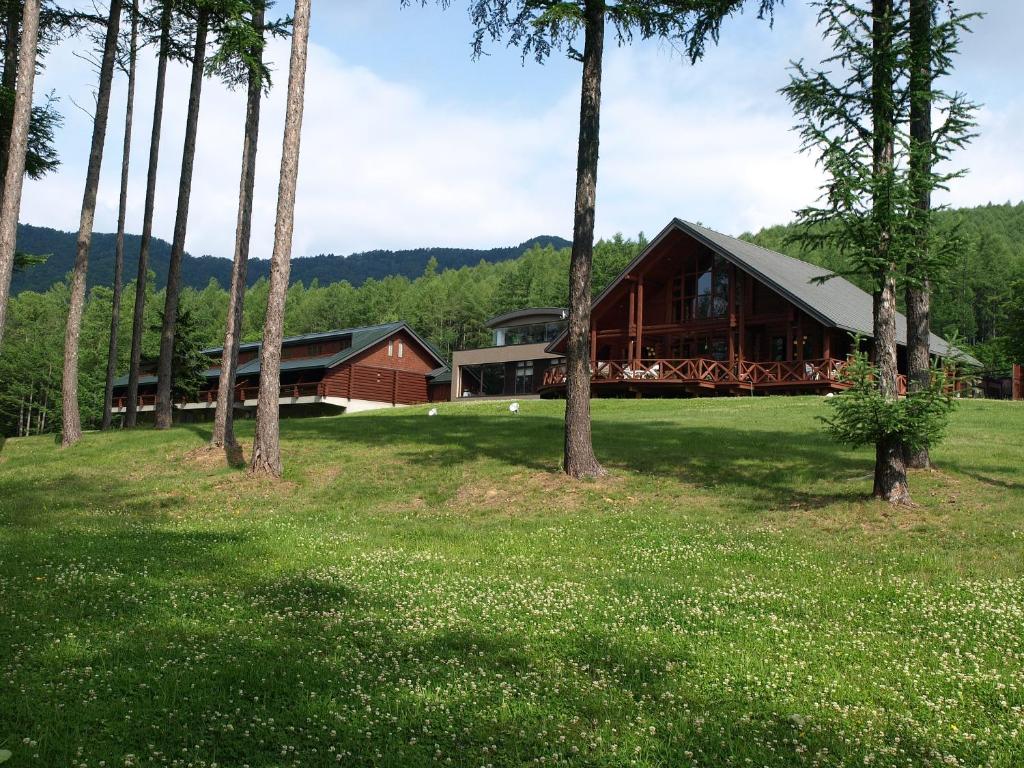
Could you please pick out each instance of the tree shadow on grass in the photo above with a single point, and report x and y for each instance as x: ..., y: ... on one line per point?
x: 317, y: 666
x: 770, y: 467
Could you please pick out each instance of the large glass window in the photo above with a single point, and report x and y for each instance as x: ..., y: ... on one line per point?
x: 483, y: 380
x: 702, y: 292
x: 534, y: 333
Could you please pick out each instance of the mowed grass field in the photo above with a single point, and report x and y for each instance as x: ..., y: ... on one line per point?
x: 430, y: 591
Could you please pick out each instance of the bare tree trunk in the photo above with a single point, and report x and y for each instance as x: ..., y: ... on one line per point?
x: 12, y: 36
x: 579, y: 459
x: 918, y: 291
x: 890, y: 469
x: 122, y: 211
x: 41, y: 424
x: 21, y: 418
x: 223, y: 424
x: 266, y: 448
x: 15, y: 174
x: 71, y: 431
x: 164, y: 372
x: 139, y: 314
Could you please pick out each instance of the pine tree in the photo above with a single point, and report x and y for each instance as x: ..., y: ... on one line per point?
x: 266, y: 448
x: 539, y: 27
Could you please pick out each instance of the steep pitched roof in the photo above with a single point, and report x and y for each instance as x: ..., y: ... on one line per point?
x: 835, y: 302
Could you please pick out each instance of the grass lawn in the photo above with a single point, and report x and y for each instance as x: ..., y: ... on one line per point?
x: 429, y: 591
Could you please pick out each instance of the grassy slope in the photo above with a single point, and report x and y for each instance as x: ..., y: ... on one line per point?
x: 426, y: 591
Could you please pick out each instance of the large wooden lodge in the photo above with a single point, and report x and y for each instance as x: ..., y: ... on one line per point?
x: 696, y: 313
x: 348, y: 370
x: 701, y: 313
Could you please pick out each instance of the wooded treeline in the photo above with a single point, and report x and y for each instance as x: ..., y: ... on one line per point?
x: 59, y: 249
x: 449, y: 307
x: 976, y: 303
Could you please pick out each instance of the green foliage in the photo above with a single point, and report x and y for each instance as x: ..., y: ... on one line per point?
x: 863, y: 416
x: 539, y: 27
x: 188, y: 364
x: 448, y: 306
x: 1015, y: 336
x: 868, y: 210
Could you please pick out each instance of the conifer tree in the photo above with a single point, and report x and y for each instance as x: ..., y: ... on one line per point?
x: 539, y: 27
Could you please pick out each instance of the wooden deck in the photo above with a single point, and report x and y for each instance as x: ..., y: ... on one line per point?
x: 705, y: 376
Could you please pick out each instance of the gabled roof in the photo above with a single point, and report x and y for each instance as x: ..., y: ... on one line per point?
x: 122, y: 381
x: 440, y: 375
x: 362, y: 338
x: 835, y: 302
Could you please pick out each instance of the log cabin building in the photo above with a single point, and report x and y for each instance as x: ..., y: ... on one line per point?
x: 701, y: 313
x: 343, y: 371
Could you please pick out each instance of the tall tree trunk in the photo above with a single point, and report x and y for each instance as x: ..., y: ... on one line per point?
x: 139, y: 313
x: 122, y: 210
x: 223, y: 424
x: 918, y: 292
x: 266, y: 448
x: 9, y: 81
x: 164, y: 371
x: 71, y: 427
x: 579, y: 459
x: 15, y: 174
x: 890, y: 469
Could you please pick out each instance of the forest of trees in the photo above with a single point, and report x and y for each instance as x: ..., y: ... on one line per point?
x: 450, y: 306
x: 58, y: 248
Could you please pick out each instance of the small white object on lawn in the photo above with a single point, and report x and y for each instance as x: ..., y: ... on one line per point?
x: 432, y: 412
x: 514, y: 408
x: 831, y: 394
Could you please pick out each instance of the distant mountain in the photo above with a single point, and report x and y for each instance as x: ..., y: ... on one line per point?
x: 198, y: 270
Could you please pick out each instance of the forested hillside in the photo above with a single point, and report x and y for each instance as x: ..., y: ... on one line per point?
x: 977, y: 303
x: 197, y: 271
x: 976, y: 299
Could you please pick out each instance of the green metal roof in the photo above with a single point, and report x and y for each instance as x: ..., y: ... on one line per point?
x: 122, y: 381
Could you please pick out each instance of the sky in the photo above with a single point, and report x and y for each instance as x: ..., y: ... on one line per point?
x: 409, y: 142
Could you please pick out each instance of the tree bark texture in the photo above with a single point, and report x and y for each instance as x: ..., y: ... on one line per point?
x: 139, y: 311
x: 579, y: 459
x: 122, y: 210
x: 164, y: 404
x: 918, y: 291
x: 223, y: 424
x: 15, y: 174
x: 71, y: 422
x: 266, y: 449
x: 890, y: 469
x: 12, y: 38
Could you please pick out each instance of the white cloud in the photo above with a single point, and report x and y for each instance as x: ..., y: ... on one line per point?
x: 385, y: 164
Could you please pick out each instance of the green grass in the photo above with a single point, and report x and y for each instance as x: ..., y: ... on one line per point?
x: 429, y: 591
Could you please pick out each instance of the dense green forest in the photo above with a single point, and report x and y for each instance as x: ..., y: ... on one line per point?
x: 979, y: 302
x: 197, y: 271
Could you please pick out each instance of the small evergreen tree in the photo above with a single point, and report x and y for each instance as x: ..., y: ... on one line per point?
x: 863, y: 415
x: 188, y: 363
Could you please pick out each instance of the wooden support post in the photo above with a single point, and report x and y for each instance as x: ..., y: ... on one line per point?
x: 826, y: 349
x: 640, y: 319
x: 800, y: 336
x: 742, y: 321
x: 789, y: 335
x: 1018, y: 382
x: 593, y: 344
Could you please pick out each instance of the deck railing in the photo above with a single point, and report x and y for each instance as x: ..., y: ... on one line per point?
x: 242, y: 393
x: 709, y: 372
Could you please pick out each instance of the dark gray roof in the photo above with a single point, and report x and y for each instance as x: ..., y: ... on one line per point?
x: 362, y: 338
x: 440, y: 375
x: 508, y: 317
x: 836, y: 302
x: 122, y: 381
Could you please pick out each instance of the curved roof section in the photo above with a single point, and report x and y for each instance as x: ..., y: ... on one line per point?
x: 552, y: 313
